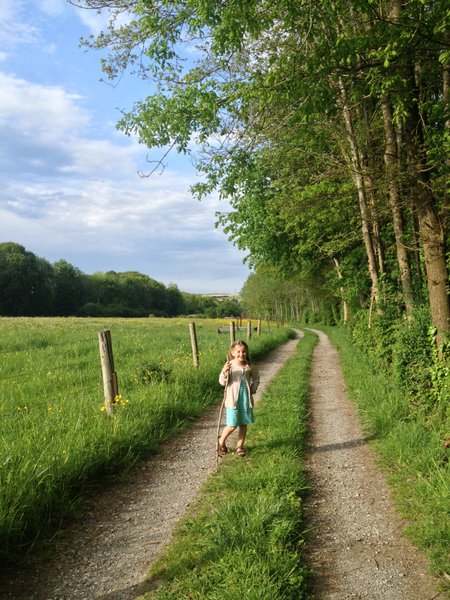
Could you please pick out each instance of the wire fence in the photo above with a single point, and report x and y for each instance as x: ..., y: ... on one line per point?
x: 58, y: 363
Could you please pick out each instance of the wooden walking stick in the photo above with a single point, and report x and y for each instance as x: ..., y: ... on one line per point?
x: 220, y: 418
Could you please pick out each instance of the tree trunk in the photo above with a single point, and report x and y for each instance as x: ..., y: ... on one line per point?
x: 368, y: 169
x: 446, y: 97
x: 358, y: 178
x: 373, y: 212
x: 342, y: 291
x: 416, y: 246
x: 392, y: 176
x: 430, y: 227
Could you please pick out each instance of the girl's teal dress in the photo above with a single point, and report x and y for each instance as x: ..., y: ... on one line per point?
x: 243, y: 413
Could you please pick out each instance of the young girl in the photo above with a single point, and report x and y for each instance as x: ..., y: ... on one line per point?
x: 241, y: 380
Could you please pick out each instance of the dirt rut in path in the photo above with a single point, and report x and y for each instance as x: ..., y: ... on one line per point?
x: 356, y: 545
x: 106, y: 553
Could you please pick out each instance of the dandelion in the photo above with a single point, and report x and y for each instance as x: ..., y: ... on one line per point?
x: 120, y: 401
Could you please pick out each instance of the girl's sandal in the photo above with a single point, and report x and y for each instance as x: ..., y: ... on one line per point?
x: 240, y: 451
x: 222, y: 450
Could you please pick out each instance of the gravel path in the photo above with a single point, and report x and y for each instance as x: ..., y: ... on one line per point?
x: 356, y: 546
x: 106, y: 553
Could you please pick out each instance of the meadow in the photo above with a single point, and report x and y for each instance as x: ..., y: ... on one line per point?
x: 55, y: 438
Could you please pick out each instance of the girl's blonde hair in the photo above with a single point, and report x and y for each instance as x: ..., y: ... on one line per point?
x: 238, y: 343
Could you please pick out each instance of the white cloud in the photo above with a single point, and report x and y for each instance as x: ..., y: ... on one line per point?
x: 49, y: 110
x: 93, y: 20
x: 14, y: 28
x: 97, y: 21
x: 68, y: 180
x: 152, y: 226
x: 46, y: 123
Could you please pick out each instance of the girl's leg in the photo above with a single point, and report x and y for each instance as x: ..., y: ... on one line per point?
x: 241, y: 436
x: 227, y: 431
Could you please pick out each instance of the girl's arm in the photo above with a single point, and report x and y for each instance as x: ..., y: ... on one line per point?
x: 224, y: 373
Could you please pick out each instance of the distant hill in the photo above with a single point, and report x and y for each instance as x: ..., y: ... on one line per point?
x: 222, y: 296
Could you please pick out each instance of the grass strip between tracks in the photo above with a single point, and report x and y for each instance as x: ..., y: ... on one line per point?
x: 243, y: 536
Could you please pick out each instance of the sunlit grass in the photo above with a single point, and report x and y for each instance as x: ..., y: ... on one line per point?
x: 54, y: 436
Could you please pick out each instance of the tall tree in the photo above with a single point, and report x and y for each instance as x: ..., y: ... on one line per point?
x: 69, y: 289
x: 26, y: 285
x: 266, y: 66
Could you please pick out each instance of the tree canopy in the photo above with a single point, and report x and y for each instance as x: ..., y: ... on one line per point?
x: 325, y: 124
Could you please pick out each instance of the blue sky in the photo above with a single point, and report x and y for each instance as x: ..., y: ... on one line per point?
x: 69, y: 183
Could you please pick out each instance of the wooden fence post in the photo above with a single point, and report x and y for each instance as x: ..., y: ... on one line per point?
x: 110, y: 385
x: 232, y: 331
x: 194, y: 344
x: 249, y: 330
x: 259, y: 327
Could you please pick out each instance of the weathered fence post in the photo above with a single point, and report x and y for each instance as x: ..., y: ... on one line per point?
x: 259, y: 327
x: 232, y: 331
x: 249, y: 330
x: 110, y: 385
x: 194, y: 344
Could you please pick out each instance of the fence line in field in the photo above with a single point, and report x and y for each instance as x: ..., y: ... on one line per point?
x: 106, y: 362
x: 109, y: 374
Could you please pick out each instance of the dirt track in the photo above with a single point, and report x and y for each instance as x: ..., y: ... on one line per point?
x: 356, y: 546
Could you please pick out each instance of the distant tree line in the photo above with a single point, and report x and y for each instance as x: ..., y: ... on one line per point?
x: 31, y: 286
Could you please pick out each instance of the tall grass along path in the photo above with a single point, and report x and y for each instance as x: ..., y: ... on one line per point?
x: 107, y: 550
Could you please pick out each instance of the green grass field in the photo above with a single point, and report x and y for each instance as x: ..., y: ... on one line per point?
x: 55, y: 437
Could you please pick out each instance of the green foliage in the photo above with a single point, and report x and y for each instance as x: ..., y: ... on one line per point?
x: 69, y: 288
x: 26, y: 282
x: 440, y: 379
x: 282, y: 107
x: 377, y: 339
x: 412, y: 355
x: 32, y: 287
x: 407, y: 350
